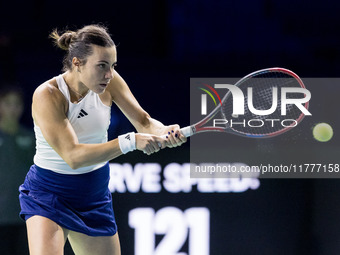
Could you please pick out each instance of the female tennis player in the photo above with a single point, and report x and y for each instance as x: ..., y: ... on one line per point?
x: 65, y: 193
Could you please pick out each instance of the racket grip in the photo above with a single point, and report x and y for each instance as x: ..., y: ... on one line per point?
x: 187, y: 131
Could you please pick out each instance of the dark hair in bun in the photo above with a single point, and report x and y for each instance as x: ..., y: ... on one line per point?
x: 79, y: 43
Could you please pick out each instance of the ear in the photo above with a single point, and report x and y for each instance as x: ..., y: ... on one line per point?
x: 76, y: 61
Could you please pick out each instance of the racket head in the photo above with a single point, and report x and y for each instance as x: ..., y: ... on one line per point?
x: 262, y: 82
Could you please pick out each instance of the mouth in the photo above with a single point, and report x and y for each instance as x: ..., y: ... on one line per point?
x: 104, y: 85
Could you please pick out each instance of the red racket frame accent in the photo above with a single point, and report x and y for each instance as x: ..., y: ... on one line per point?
x: 197, y: 128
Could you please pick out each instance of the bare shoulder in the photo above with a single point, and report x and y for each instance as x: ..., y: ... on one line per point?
x: 48, y: 88
x: 48, y: 95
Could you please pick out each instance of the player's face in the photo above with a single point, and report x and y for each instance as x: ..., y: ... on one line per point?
x: 97, y: 72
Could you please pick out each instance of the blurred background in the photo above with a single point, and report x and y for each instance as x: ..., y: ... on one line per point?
x: 161, y: 45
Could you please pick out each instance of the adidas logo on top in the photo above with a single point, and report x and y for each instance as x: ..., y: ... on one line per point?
x: 82, y: 113
x: 128, y: 137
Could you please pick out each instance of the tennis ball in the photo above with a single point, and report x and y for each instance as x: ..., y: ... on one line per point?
x: 322, y: 132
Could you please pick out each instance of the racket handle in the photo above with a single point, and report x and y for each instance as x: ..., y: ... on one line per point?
x: 187, y: 131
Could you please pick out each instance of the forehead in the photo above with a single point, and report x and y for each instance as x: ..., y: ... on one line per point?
x: 108, y: 54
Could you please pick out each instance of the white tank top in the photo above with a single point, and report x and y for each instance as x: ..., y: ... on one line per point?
x: 90, y: 119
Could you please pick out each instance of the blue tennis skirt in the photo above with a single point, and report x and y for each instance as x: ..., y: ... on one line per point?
x: 80, y: 203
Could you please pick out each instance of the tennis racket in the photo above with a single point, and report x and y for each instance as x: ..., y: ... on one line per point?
x: 262, y: 82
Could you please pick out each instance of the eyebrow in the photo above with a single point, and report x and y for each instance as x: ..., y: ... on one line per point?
x: 114, y: 63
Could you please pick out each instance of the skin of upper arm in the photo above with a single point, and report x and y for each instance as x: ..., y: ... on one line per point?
x: 124, y: 99
x: 49, y: 113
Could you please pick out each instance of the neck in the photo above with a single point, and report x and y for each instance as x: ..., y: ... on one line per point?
x: 77, y: 89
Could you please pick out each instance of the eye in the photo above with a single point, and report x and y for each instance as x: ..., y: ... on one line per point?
x: 102, y: 66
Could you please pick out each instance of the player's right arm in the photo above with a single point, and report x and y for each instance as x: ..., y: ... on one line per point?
x: 49, y: 111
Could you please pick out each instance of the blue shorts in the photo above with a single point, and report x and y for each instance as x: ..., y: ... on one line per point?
x: 80, y: 203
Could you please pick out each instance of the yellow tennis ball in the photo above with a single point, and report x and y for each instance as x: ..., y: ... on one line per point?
x: 322, y: 132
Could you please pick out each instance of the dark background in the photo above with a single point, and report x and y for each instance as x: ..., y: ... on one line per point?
x: 161, y: 44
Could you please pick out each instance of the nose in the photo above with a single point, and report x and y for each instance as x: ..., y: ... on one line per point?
x: 109, y: 74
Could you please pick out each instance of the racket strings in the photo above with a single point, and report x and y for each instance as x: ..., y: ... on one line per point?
x: 262, y: 85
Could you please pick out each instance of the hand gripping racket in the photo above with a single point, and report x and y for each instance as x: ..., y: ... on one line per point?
x: 261, y: 84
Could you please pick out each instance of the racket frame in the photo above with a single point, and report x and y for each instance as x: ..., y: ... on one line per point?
x: 199, y: 126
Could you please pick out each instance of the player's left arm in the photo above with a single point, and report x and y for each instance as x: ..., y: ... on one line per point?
x: 140, y: 119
